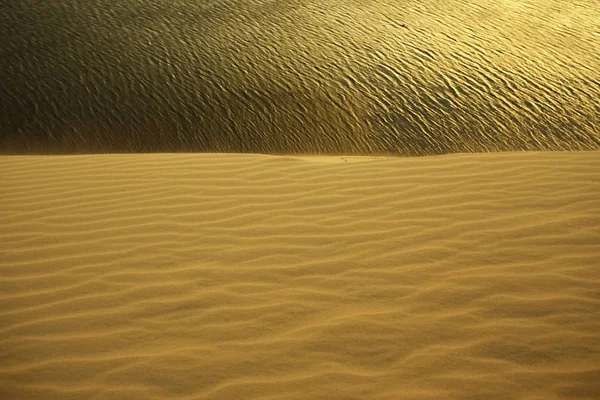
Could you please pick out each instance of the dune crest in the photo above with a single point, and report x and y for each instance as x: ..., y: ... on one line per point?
x: 225, y: 276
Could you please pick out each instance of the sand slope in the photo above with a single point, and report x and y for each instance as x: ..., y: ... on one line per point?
x: 260, y: 277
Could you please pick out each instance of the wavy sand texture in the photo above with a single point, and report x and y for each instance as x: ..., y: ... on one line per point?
x: 259, y: 277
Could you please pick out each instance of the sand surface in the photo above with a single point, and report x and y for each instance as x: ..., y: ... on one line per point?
x: 215, y: 276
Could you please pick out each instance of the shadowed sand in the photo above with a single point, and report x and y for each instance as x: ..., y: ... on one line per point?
x: 261, y: 277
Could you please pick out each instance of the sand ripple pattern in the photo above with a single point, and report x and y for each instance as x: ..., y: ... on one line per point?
x: 261, y: 277
x: 299, y: 76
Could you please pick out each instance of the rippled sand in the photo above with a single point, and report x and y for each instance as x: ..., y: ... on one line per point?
x: 257, y: 277
x: 299, y: 76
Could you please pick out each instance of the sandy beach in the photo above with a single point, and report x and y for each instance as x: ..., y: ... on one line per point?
x: 229, y: 276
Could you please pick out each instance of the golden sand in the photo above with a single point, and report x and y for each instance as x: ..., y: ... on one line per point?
x: 214, y: 276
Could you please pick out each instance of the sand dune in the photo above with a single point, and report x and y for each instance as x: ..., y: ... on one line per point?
x: 260, y: 277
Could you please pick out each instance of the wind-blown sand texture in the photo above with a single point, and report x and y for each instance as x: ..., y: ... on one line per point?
x: 215, y: 276
x: 396, y: 77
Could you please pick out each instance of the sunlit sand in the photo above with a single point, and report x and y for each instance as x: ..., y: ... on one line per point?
x: 221, y: 276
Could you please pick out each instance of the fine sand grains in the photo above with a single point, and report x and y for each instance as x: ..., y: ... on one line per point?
x: 217, y: 276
